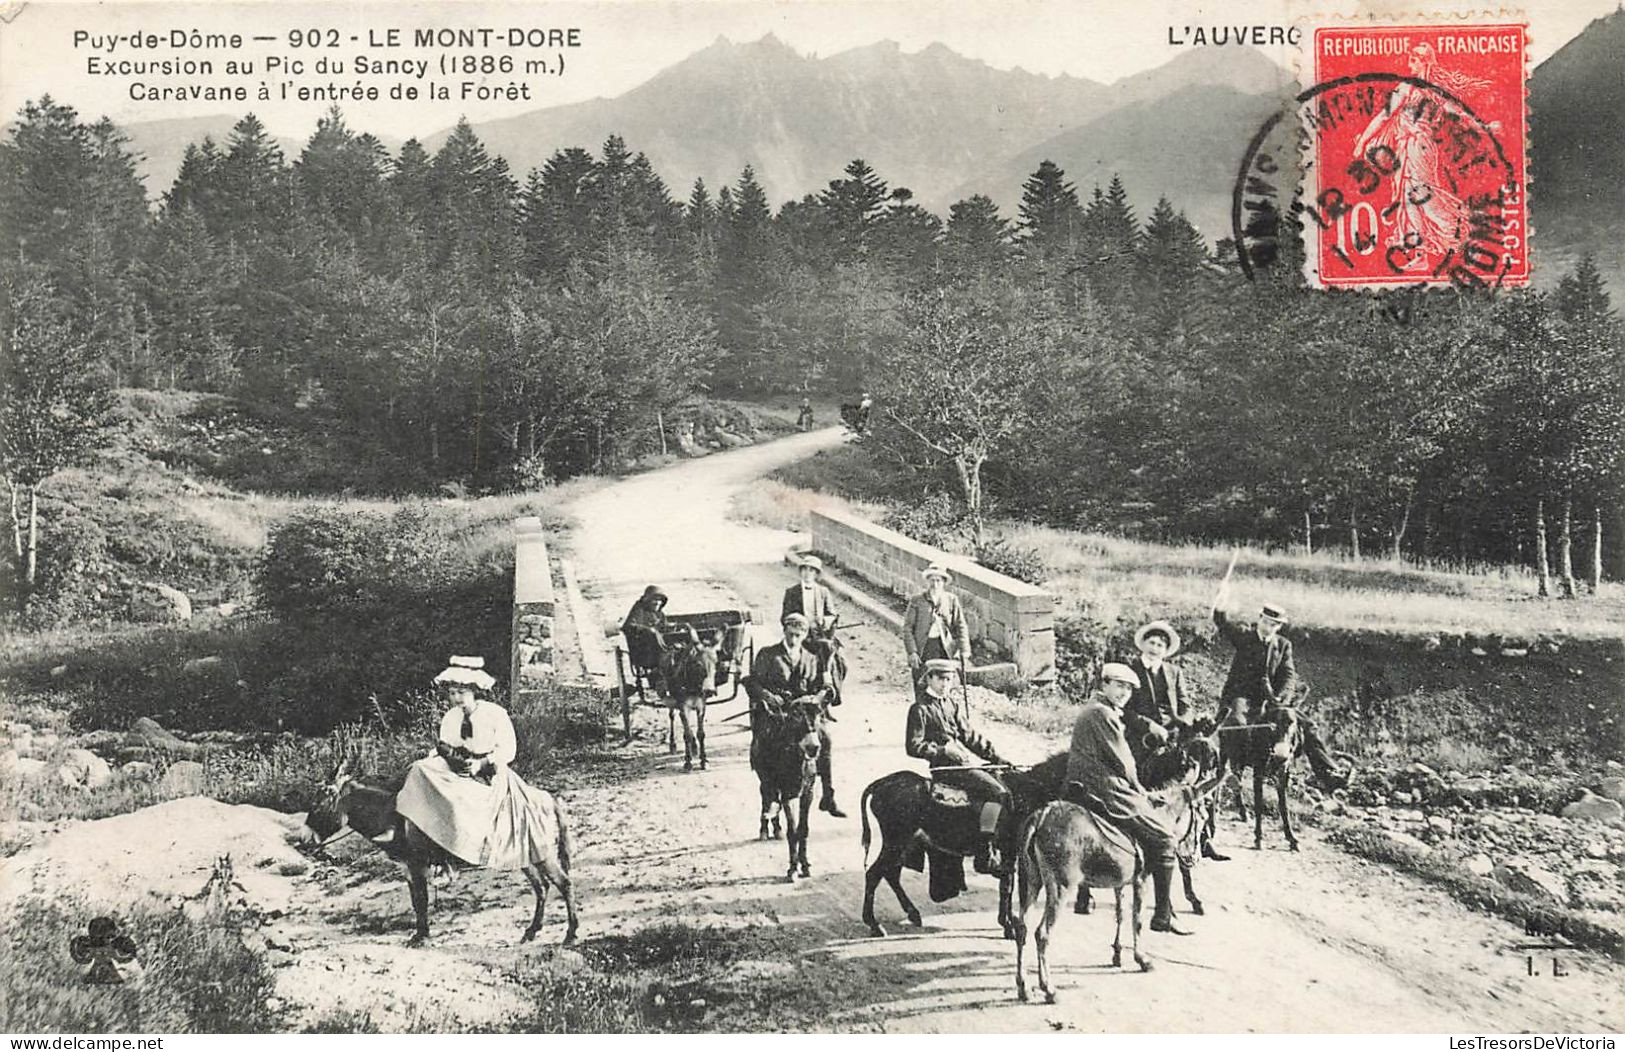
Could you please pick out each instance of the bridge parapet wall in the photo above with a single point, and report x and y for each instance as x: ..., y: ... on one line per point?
x: 1010, y: 616
x: 532, y: 666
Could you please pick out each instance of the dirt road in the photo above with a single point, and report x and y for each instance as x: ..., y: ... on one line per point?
x: 1316, y: 941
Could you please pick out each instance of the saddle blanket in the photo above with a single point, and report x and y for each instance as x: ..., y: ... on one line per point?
x: 949, y: 795
x: 505, y: 825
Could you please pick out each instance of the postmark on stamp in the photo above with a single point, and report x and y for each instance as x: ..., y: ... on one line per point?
x: 1405, y: 162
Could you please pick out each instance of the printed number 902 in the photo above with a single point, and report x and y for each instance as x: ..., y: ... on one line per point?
x: 313, y: 38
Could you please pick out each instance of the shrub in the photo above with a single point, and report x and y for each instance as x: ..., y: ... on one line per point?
x: 329, y: 559
x: 1024, y: 563
x: 1080, y: 649
x: 938, y: 520
x: 71, y: 572
x: 196, y: 974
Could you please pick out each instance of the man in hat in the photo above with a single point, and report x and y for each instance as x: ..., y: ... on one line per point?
x: 804, y: 417
x: 813, y: 601
x: 934, y: 624
x: 1263, y: 676
x: 1159, y: 709
x: 1101, y: 775
x: 783, y: 673
x: 938, y: 734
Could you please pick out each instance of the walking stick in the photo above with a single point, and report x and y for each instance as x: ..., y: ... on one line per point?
x: 964, y: 684
x: 1224, y: 583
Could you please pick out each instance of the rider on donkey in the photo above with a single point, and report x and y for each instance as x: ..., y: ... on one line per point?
x: 782, y: 674
x: 1262, y: 671
x: 1101, y: 775
x: 464, y: 796
x: 1159, y: 710
x: 937, y: 734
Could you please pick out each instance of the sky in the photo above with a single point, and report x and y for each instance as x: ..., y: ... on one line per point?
x: 622, y: 44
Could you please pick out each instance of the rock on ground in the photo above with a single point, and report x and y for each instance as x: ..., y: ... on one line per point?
x: 1532, y: 879
x: 1593, y: 808
x: 84, y: 769
x: 162, y: 851
x: 159, y: 602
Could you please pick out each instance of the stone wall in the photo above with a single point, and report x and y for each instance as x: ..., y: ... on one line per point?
x: 1010, y: 616
x: 532, y: 640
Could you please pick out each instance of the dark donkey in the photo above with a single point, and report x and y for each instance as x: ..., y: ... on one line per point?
x: 1268, y: 743
x: 784, y: 754
x: 689, y: 667
x: 911, y: 821
x: 349, y: 805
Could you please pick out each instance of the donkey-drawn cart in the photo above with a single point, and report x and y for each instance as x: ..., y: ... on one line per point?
x: 640, y: 653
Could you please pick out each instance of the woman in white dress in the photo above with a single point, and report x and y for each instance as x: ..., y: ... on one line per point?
x: 465, y: 796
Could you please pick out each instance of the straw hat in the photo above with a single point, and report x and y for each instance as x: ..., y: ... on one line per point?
x: 936, y: 570
x: 467, y: 671
x: 1153, y: 628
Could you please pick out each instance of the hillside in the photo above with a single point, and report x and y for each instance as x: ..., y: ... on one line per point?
x: 1181, y: 146
x: 1577, y: 148
x: 919, y: 119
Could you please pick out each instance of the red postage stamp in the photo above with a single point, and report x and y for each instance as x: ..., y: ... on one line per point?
x: 1417, y: 160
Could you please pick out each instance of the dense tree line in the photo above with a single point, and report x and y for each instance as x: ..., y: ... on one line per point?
x: 1074, y: 363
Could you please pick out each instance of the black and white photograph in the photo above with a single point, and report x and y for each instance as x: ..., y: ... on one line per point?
x: 644, y: 517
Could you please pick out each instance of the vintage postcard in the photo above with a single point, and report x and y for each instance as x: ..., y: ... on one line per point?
x: 672, y: 516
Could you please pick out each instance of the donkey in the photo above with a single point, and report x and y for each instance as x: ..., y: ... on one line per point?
x: 784, y: 754
x: 350, y: 805
x: 911, y: 821
x: 1268, y: 744
x: 1064, y: 845
x: 689, y: 668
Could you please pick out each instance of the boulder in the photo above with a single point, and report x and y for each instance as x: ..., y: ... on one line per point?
x: 1593, y: 808
x: 27, y: 768
x: 1613, y: 788
x: 1406, y: 840
x: 59, y: 671
x: 1441, y: 827
x: 100, y: 740
x: 82, y: 768
x: 183, y: 778
x: 226, y: 609
x: 159, y: 602
x: 1478, y: 865
x: 138, y: 771
x: 1531, y: 878
x: 203, y: 665
x: 146, y: 734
